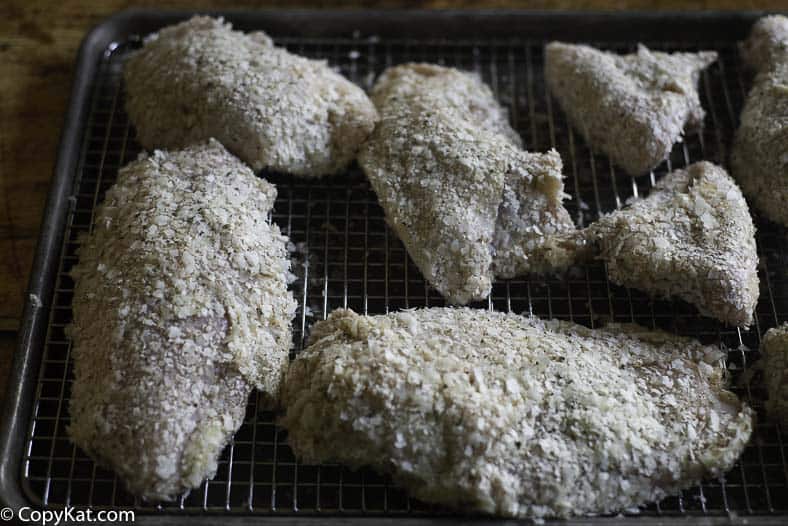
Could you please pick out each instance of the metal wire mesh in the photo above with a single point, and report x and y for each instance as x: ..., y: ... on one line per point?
x: 348, y: 258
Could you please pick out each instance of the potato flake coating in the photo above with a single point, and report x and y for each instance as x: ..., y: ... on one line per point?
x: 180, y: 309
x: 514, y: 415
x: 774, y: 354
x: 768, y: 43
x: 530, y: 218
x: 759, y: 159
x: 692, y: 237
x: 631, y: 107
x: 200, y: 79
x: 443, y: 162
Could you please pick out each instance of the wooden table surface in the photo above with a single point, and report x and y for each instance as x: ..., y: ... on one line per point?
x: 38, y: 46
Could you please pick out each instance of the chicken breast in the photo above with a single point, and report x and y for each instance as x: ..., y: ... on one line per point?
x: 511, y: 415
x: 200, y: 79
x: 759, y: 160
x: 692, y: 237
x: 631, y: 107
x: 774, y: 356
x: 768, y: 43
x: 180, y: 309
x: 443, y: 161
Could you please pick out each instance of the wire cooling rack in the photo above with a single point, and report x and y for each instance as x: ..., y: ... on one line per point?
x: 347, y: 257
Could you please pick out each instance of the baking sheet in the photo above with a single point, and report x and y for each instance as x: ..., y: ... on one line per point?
x: 347, y: 257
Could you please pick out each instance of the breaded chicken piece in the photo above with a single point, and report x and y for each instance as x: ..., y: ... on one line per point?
x: 181, y: 308
x: 199, y: 79
x: 692, y: 237
x: 768, y: 43
x: 530, y: 217
x: 443, y: 160
x: 513, y: 415
x: 759, y: 160
x: 774, y: 356
x: 631, y: 107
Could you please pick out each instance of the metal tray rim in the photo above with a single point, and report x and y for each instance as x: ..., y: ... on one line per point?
x: 23, y: 369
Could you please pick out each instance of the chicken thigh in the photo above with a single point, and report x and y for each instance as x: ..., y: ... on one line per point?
x: 631, y: 107
x: 759, y: 159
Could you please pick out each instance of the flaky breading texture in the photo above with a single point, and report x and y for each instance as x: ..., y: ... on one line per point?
x: 774, y: 356
x: 180, y: 309
x: 631, y: 107
x: 759, y: 159
x: 513, y: 415
x: 767, y: 45
x: 692, y: 237
x: 200, y: 79
x: 530, y: 215
x: 440, y: 160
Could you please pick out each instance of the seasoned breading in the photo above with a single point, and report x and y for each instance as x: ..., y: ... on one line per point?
x: 180, y: 309
x: 759, y: 160
x: 692, y: 237
x: 443, y: 161
x: 199, y: 79
x: 530, y: 216
x: 768, y: 43
x: 514, y: 415
x: 774, y: 356
x: 631, y: 107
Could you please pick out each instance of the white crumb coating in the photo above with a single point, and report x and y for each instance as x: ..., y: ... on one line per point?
x: 530, y: 218
x: 631, y: 107
x: 768, y: 43
x: 774, y: 354
x: 442, y: 161
x: 759, y: 159
x: 513, y: 415
x: 273, y: 109
x: 180, y: 308
x: 692, y: 237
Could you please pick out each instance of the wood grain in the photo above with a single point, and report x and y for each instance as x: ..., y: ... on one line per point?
x: 38, y: 46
